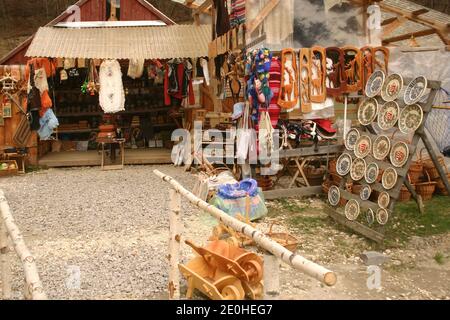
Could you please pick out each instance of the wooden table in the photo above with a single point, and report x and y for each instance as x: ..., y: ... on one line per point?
x: 19, y: 157
x: 112, y: 142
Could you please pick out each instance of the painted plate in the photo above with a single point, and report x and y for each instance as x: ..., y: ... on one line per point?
x: 399, y: 154
x: 375, y: 83
x: 334, y: 196
x: 352, y: 210
x: 344, y: 164
x: 384, y: 199
x: 389, y: 114
x: 370, y: 217
x: 389, y: 179
x: 411, y: 118
x: 367, y: 111
x: 382, y: 216
x: 358, y: 169
x: 372, y: 173
x: 363, y: 147
x: 415, y: 90
x: 351, y: 138
x: 365, y: 192
x: 392, y: 87
x: 381, y: 147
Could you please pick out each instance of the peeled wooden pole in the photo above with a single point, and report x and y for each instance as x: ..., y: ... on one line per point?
x: 174, y: 245
x: 5, y: 268
x: 296, y: 261
x: 34, y: 288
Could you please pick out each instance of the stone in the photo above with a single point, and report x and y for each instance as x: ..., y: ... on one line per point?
x: 373, y: 258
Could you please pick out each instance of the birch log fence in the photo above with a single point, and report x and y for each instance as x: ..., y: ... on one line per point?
x: 33, y: 286
x: 294, y: 260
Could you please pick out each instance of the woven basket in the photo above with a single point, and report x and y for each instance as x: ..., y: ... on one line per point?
x: 440, y: 184
x: 426, y: 189
x: 405, y: 195
x: 429, y: 167
x: 332, y: 166
x: 416, y: 171
x: 12, y: 170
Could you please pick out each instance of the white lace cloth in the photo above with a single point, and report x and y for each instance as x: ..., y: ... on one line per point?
x: 112, y: 95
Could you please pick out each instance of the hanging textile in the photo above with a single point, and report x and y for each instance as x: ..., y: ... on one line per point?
x: 48, y: 123
x: 112, y: 95
x: 136, y: 68
x: 33, y: 102
x: 237, y: 12
x: 222, y: 18
x: 178, y: 82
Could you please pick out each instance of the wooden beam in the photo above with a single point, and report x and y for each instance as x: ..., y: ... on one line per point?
x: 252, y: 25
x: 407, y: 36
x: 388, y: 21
x: 391, y: 27
x: 420, y: 11
x: 203, y: 7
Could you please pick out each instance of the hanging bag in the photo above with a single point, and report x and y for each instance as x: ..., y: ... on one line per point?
x: 246, y: 139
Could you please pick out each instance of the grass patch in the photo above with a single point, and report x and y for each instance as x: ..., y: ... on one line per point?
x: 307, y: 224
x: 289, y: 206
x: 439, y: 258
x: 34, y: 168
x: 407, y: 221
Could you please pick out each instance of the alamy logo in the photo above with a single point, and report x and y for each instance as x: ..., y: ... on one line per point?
x: 73, y: 280
x: 374, y: 279
x: 75, y: 14
x: 374, y: 21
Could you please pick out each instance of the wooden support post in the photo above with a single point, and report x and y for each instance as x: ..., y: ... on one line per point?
x: 415, y: 196
x: 433, y: 157
x: 174, y: 244
x: 5, y: 267
x: 271, y: 277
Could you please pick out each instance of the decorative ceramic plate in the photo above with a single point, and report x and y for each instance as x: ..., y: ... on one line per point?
x: 372, y: 173
x: 370, y: 217
x: 399, y: 154
x: 352, y: 210
x: 358, y: 169
x: 367, y: 111
x: 382, y: 216
x: 392, y: 87
x: 375, y: 84
x: 351, y: 138
x: 365, y: 193
x: 389, y: 114
x: 389, y: 179
x: 334, y: 196
x: 381, y: 147
x: 415, y: 90
x: 344, y: 164
x: 363, y: 147
x: 411, y: 118
x: 384, y: 199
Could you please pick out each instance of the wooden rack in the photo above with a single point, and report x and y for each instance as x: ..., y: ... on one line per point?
x: 377, y: 233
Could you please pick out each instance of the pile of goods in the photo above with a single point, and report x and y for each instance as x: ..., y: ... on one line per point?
x: 8, y: 168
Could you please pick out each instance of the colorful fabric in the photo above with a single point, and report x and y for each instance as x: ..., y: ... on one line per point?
x: 178, y: 82
x: 237, y: 15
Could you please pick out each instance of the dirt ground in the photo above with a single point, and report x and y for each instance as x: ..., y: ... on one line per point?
x: 114, y: 227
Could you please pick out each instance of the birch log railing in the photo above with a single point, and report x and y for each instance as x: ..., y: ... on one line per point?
x: 294, y: 260
x: 33, y: 286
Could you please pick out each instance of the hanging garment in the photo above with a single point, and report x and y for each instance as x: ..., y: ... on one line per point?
x: 40, y: 80
x: 112, y: 95
x: 136, y: 68
x: 222, y: 18
x: 33, y: 102
x: 48, y: 124
x: 178, y: 83
x: 237, y: 12
x: 204, y: 64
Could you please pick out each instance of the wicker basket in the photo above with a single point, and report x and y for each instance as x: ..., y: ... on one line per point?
x: 356, y: 189
x: 440, y: 184
x: 429, y: 167
x: 12, y: 170
x: 332, y: 166
x: 405, y: 195
x: 416, y: 171
x: 426, y: 189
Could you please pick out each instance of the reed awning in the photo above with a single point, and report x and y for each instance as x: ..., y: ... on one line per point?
x: 152, y: 42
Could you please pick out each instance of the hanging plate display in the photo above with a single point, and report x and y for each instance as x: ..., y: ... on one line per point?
x: 358, y: 169
x: 389, y: 179
x: 372, y: 173
x: 389, y: 114
x: 399, y: 154
x: 367, y: 111
x: 381, y: 147
x: 344, y: 164
x: 411, y: 118
x: 375, y: 83
x: 415, y: 90
x: 392, y: 87
x: 365, y: 193
x: 382, y: 216
x: 370, y: 217
x: 334, y: 196
x: 384, y: 199
x: 363, y: 147
x: 351, y: 138
x: 352, y: 210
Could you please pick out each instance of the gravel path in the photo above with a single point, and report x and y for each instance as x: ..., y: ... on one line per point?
x: 111, y: 225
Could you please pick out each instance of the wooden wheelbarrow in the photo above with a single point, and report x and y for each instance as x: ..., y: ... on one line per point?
x: 217, y: 262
